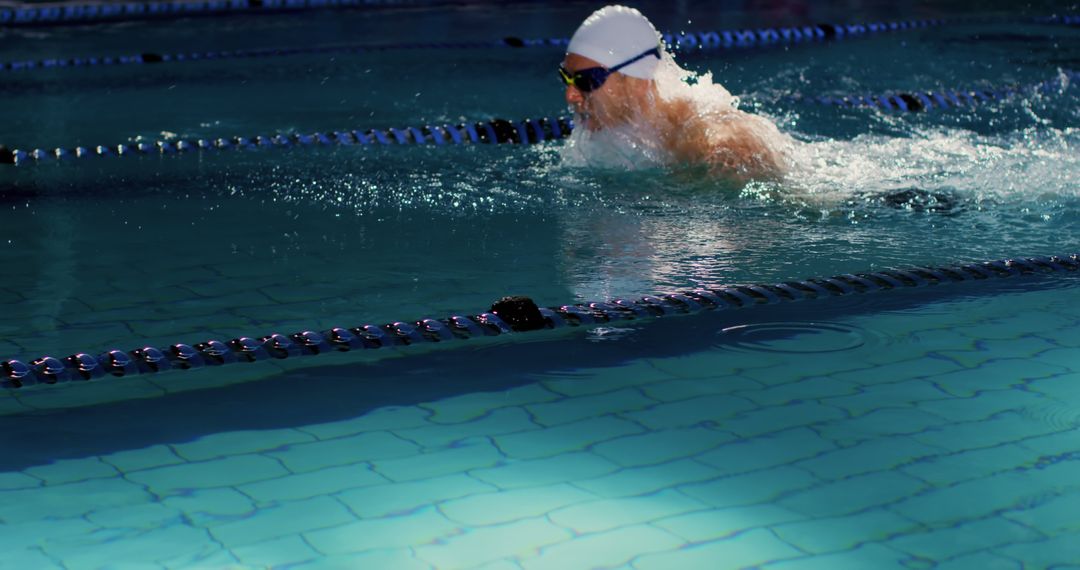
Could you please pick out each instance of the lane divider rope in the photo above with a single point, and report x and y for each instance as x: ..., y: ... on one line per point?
x: 497, y: 131
x: 53, y: 13
x: 44, y: 14
x: 501, y: 131
x: 682, y: 41
x: 507, y: 315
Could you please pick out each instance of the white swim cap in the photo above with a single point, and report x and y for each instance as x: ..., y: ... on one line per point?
x: 615, y: 34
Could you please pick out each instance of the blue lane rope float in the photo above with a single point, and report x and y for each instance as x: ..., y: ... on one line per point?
x: 53, y: 13
x: 43, y: 14
x: 509, y: 314
x: 682, y: 41
x: 498, y: 131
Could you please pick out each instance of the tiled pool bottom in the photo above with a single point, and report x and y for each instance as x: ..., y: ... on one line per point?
x: 942, y: 436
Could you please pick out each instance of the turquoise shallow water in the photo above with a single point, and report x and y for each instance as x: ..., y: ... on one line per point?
x: 929, y: 428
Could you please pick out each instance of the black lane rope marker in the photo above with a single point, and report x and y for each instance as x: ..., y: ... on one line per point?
x: 499, y: 131
x: 507, y: 315
x: 683, y: 41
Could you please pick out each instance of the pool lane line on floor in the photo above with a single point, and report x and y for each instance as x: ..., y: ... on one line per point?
x: 501, y: 131
x: 507, y: 315
x: 680, y: 42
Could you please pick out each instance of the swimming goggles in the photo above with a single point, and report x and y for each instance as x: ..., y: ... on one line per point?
x: 587, y: 80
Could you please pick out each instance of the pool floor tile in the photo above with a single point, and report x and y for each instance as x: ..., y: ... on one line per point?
x: 471, y: 406
x: 292, y: 517
x: 878, y: 454
x: 779, y: 448
x: 974, y: 499
x: 750, y: 548
x: 578, y: 408
x: 208, y: 507
x: 751, y: 488
x: 710, y: 410
x: 482, y: 545
x: 884, y: 422
x: 134, y: 548
x: 996, y: 374
x: 546, y: 471
x: 867, y: 556
x: 690, y: 388
x: 507, y: 420
x: 399, y: 498
x: 415, y: 529
x: 382, y: 419
x: 607, y: 514
x: 238, y: 442
x: 11, y: 481
x: 565, y: 438
x: 945, y: 543
x: 982, y: 561
x: 22, y: 559
x: 630, y: 481
x: 144, y: 516
x: 233, y: 470
x: 653, y: 448
x: 72, y: 470
x: 389, y: 559
x: 986, y: 404
x: 946, y: 469
x: 847, y: 496
x: 69, y: 500
x: 465, y: 455
x: 146, y: 458
x: 311, y: 484
x: 40, y: 533
x: 1052, y: 516
x: 509, y: 506
x: 1006, y: 427
x: 715, y: 524
x: 761, y: 421
x: 276, y: 552
x: 603, y: 550
x: 874, y: 397
x: 814, y: 388
x: 1061, y: 551
x: 366, y: 446
x: 836, y: 534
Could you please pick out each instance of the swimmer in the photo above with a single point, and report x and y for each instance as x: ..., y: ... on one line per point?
x: 611, y: 69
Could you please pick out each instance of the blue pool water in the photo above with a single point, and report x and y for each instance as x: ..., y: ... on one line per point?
x: 923, y: 428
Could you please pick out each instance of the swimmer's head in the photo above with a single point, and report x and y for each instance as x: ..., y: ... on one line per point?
x: 615, y: 35
x: 609, y: 65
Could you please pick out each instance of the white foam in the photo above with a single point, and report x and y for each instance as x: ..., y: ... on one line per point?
x: 1035, y: 161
